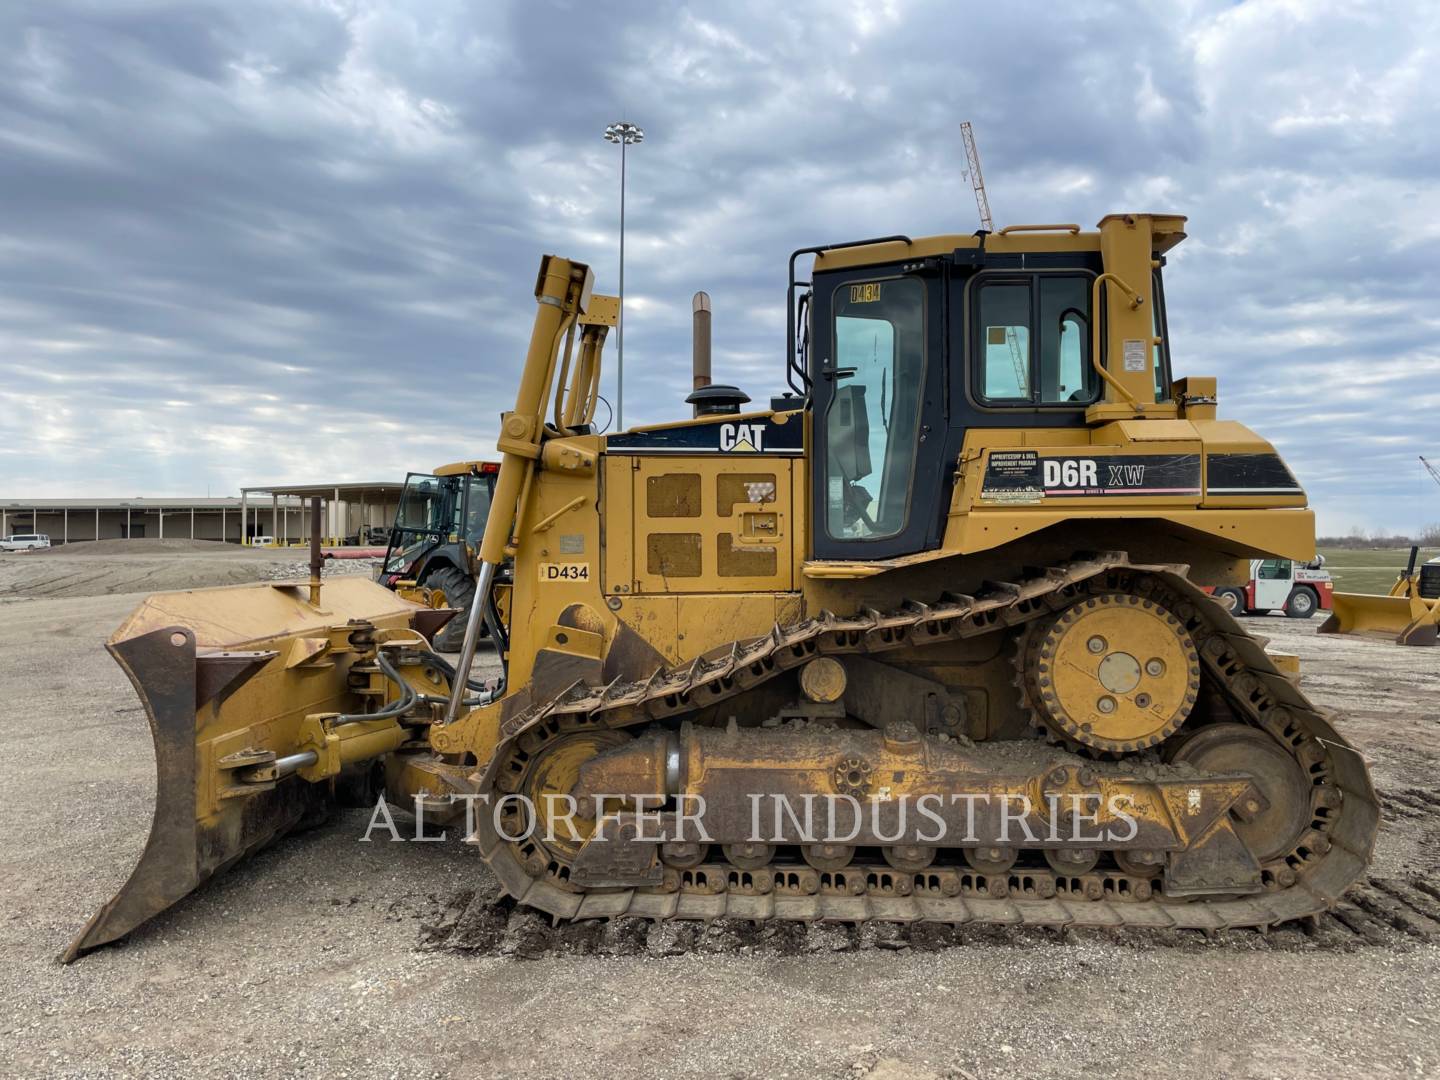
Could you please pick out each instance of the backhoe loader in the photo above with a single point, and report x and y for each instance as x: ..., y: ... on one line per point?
x: 940, y: 595
x: 439, y: 521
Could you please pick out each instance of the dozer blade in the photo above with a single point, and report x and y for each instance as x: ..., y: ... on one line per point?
x: 226, y: 676
x: 1405, y: 620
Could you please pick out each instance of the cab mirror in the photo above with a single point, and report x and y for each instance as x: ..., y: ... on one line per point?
x: 848, y: 427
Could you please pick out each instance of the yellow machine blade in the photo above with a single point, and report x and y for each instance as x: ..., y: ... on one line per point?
x: 226, y: 677
x: 1407, y: 619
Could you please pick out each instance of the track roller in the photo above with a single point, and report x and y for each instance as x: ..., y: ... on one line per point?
x: 749, y: 856
x: 684, y: 854
x: 909, y: 858
x: 828, y: 856
x: 991, y: 860
x: 1072, y: 862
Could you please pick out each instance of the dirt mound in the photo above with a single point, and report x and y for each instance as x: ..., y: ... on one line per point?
x: 153, y: 546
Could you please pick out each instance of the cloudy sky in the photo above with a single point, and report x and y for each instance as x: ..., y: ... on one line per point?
x: 249, y: 242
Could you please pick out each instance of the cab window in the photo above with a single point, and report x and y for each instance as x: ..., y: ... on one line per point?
x: 477, y: 507
x: 872, y: 422
x: 1274, y: 569
x: 1005, y: 315
x: 1031, y: 335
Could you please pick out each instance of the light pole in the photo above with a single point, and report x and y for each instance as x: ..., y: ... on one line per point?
x: 626, y: 134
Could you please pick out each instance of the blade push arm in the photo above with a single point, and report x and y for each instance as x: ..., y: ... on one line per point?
x: 562, y: 294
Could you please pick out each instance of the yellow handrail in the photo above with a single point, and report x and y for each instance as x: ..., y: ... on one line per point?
x: 545, y: 523
x: 1135, y: 301
x: 1074, y: 230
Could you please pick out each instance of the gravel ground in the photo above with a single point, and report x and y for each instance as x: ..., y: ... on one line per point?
x: 311, y: 959
x: 106, y: 567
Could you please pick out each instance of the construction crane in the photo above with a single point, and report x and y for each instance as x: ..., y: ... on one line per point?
x: 1434, y: 472
x: 982, y: 202
x: 977, y: 178
x: 1019, y: 360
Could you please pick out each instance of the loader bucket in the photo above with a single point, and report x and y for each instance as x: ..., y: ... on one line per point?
x: 226, y: 676
x: 1405, y: 619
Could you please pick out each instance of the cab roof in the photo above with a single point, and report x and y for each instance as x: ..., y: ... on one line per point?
x: 1168, y: 230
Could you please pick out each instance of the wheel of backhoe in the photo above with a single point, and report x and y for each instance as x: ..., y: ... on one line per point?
x: 748, y: 855
x: 827, y: 856
x: 1072, y: 862
x: 991, y: 860
x: 458, y: 589
x: 909, y: 858
x: 1113, y: 672
x: 1271, y: 824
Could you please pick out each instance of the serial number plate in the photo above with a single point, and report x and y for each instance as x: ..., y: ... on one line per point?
x: 565, y: 571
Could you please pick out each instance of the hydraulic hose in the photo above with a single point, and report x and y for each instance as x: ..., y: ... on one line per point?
x: 407, y: 700
x: 448, y: 670
x: 437, y: 660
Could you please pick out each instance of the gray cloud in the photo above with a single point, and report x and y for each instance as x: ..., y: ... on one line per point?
x: 277, y: 241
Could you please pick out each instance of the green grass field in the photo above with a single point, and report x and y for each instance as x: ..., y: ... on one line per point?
x: 1368, y: 570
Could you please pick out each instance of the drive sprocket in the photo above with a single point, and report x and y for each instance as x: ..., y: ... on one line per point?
x: 1114, y: 672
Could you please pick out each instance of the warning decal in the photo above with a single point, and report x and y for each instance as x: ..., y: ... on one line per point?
x: 1013, y: 476
x: 1137, y: 356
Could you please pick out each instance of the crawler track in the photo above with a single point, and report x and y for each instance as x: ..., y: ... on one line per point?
x: 1391, y: 914
x: 1307, y: 881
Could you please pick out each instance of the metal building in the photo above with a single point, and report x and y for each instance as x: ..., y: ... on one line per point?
x: 352, y: 514
x: 352, y: 511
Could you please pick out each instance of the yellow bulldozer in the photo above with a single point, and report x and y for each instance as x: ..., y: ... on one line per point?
x: 918, y: 641
x: 1409, y: 615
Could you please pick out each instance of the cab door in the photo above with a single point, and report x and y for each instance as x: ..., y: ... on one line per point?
x: 1273, y: 582
x: 878, y: 391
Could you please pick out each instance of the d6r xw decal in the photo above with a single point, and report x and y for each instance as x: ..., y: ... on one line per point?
x: 1014, y: 476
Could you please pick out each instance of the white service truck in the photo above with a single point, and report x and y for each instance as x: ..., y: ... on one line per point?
x: 1298, y: 589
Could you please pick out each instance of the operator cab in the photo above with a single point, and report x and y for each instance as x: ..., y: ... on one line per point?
x: 904, y: 345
